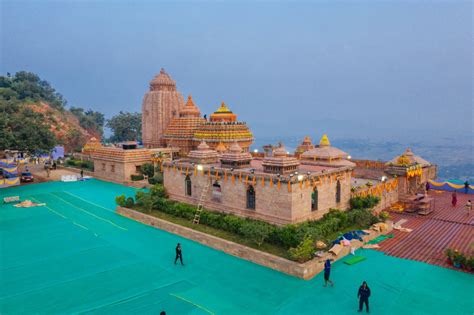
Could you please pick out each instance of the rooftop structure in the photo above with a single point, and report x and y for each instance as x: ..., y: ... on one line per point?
x: 203, y: 155
x: 91, y: 146
x: 305, y: 146
x: 325, y: 154
x: 180, y: 131
x: 224, y: 128
x: 280, y: 162
x: 235, y: 157
x: 408, y: 158
x: 160, y: 105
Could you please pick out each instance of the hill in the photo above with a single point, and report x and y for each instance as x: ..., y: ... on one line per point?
x: 34, y: 117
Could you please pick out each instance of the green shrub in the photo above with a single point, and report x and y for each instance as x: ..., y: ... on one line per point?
x: 364, y: 202
x: 158, y: 191
x: 130, y: 202
x: 136, y: 177
x: 304, y: 251
x: 233, y: 223
x: 256, y: 231
x: 120, y: 200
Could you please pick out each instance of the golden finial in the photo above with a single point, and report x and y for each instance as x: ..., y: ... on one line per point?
x: 324, y: 141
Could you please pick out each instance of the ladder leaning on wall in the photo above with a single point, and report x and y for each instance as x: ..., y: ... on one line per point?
x: 197, y: 215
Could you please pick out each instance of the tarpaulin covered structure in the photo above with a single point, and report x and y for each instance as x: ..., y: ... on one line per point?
x: 451, y: 185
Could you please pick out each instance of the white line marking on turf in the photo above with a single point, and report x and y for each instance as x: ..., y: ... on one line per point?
x: 90, y: 213
x: 190, y: 302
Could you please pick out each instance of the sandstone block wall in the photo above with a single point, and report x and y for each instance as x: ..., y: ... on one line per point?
x: 116, y: 171
x: 274, y: 205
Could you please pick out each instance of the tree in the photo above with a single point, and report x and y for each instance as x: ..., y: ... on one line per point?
x: 258, y: 232
x: 304, y: 251
x: 90, y: 120
x: 24, y: 130
x: 147, y: 169
x: 125, y: 127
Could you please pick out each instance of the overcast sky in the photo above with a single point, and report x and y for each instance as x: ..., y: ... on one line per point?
x: 355, y: 68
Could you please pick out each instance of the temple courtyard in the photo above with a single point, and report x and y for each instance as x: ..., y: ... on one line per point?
x: 76, y: 255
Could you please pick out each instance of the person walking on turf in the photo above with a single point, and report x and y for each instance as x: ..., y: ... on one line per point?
x: 363, y: 295
x: 327, y: 272
x: 468, y: 207
x: 178, y: 254
x: 454, y: 199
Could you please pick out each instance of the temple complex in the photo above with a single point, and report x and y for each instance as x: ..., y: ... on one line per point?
x: 223, y: 128
x: 208, y: 162
x: 160, y: 105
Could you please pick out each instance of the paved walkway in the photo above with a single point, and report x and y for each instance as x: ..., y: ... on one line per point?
x: 446, y: 227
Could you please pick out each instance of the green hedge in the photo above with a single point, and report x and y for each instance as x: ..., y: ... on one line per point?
x: 136, y: 177
x: 291, y: 236
x: 87, y: 165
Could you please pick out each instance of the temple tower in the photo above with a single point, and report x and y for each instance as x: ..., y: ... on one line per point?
x: 160, y: 105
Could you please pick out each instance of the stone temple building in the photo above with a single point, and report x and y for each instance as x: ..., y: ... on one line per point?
x: 278, y: 188
x: 223, y: 129
x: 180, y: 131
x: 160, y: 105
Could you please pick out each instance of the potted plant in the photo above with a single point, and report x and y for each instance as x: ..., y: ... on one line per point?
x: 458, y: 259
x: 449, y: 256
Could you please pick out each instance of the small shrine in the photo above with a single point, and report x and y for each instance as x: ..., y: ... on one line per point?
x: 235, y: 157
x: 203, y: 155
x: 305, y: 146
x: 326, y: 155
x: 280, y: 162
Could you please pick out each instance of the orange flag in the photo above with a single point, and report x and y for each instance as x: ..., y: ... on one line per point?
x: 289, y: 187
x: 263, y: 182
x: 278, y: 185
x: 195, y: 171
x: 232, y: 178
x: 271, y: 182
x: 240, y: 177
x: 301, y: 184
x: 187, y: 170
x: 225, y: 175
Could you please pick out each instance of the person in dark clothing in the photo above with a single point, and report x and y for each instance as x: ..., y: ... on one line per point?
x: 162, y: 313
x: 327, y: 272
x: 363, y: 295
x: 82, y: 173
x: 466, y: 187
x: 178, y: 254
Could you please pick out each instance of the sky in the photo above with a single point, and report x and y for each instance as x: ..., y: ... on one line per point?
x: 372, y: 69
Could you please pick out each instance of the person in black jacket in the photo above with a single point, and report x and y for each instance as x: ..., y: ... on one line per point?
x: 178, y: 254
x: 363, y: 295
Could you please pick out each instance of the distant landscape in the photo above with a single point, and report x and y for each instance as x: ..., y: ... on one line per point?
x: 454, y: 157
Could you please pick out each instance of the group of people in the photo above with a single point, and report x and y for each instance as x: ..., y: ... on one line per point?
x: 363, y: 293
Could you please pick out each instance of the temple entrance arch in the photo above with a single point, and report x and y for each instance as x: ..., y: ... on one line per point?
x: 188, y: 186
x: 251, y: 197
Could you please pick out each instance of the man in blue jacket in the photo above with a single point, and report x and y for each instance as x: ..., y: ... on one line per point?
x: 363, y: 295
